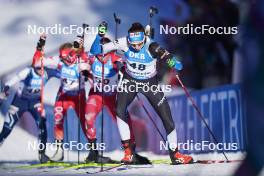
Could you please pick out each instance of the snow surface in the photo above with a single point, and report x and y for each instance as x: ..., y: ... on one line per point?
x: 15, y: 153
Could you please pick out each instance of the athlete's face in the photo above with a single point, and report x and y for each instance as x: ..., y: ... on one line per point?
x: 69, y: 59
x: 136, y: 40
x: 38, y: 71
x: 137, y: 46
x: 68, y: 56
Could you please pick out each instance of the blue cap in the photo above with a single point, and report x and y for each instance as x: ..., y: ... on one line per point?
x: 136, y: 37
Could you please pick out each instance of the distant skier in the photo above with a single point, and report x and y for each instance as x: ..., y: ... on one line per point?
x: 27, y: 99
x: 71, y: 65
x: 104, y: 67
x: 141, y: 55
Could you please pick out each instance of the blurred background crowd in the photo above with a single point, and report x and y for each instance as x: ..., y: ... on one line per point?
x: 208, y: 59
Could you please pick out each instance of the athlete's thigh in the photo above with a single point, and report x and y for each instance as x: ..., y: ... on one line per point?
x: 123, y: 100
x: 34, y: 109
x: 110, y: 103
x: 159, y: 102
x: 93, y: 104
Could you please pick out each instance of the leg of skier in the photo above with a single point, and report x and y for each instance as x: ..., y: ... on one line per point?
x: 79, y: 107
x: 41, y: 124
x: 110, y: 103
x: 93, y: 108
x: 159, y: 102
x: 15, y: 111
x: 60, y: 109
x: 124, y: 98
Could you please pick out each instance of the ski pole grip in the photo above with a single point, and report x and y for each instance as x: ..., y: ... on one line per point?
x: 117, y: 20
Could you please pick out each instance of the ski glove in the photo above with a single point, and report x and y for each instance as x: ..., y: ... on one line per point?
x: 41, y: 42
x: 78, y: 42
x: 174, y: 63
x: 120, y: 66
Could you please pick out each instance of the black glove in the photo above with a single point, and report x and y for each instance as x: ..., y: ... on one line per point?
x: 85, y: 73
x: 41, y: 42
x: 78, y: 42
x: 102, y: 28
x: 120, y: 66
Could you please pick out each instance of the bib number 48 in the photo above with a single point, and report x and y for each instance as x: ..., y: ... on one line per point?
x: 140, y: 67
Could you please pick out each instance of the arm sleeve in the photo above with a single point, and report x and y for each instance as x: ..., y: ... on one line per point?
x: 18, y: 77
x: 96, y: 47
x: 116, y: 57
x: 158, y: 52
x: 117, y: 61
x: 119, y: 44
x: 36, y: 57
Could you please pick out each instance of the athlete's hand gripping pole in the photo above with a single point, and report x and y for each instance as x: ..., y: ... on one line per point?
x: 149, y: 28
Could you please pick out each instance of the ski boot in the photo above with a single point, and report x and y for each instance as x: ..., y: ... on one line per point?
x: 59, y: 154
x: 179, y: 158
x: 43, y: 158
x: 129, y: 157
x: 138, y: 158
x: 94, y: 155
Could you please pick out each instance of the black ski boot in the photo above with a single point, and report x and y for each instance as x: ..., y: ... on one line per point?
x: 94, y: 155
x: 138, y: 158
x: 43, y: 158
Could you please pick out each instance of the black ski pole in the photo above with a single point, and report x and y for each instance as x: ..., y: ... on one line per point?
x: 79, y: 124
x: 117, y: 22
x: 152, y: 11
x: 84, y: 26
x: 102, y: 122
x: 151, y: 119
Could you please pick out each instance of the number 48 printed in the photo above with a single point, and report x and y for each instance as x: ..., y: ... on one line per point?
x: 138, y: 66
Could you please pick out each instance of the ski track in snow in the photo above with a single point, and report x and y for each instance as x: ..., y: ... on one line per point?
x: 161, y: 169
x: 14, y: 153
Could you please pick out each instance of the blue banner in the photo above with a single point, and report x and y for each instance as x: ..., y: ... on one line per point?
x: 222, y: 108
